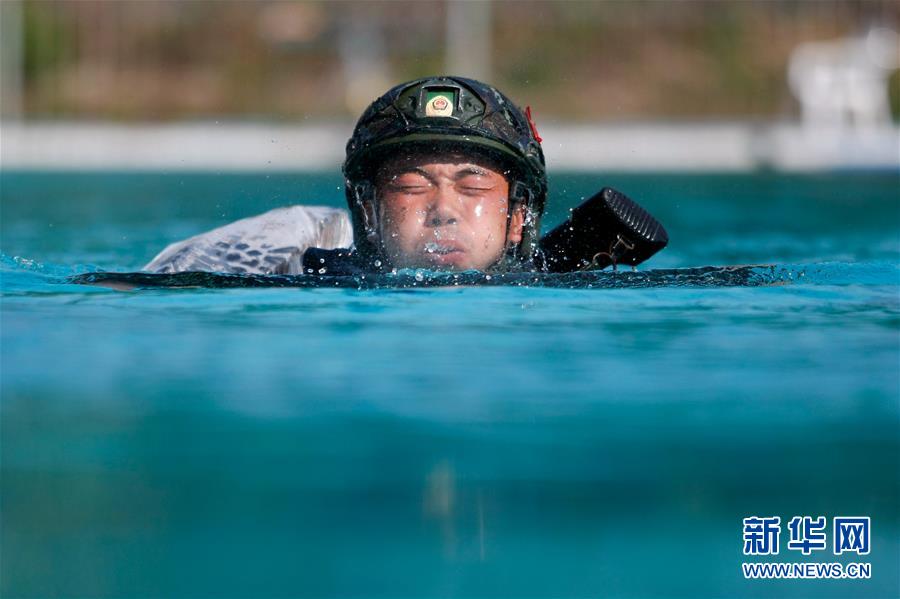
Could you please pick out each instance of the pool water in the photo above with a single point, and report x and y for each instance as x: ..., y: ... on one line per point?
x: 470, y: 441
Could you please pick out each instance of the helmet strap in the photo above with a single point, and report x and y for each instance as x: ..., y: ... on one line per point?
x: 519, y: 195
x: 364, y: 196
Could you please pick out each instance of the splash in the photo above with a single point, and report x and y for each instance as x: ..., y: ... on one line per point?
x: 19, y: 272
x: 703, y: 277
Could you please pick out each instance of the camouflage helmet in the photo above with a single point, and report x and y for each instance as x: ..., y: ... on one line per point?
x: 446, y: 113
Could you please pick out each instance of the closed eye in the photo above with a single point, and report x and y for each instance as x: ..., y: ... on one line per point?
x: 411, y: 189
x: 474, y: 190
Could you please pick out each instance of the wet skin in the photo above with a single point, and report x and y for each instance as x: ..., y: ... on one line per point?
x: 445, y: 212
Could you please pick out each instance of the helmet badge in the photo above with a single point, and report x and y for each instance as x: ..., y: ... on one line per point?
x: 439, y: 104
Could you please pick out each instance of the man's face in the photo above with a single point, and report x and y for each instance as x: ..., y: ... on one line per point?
x: 445, y: 212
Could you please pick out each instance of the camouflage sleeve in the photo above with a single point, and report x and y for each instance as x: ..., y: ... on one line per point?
x: 270, y: 243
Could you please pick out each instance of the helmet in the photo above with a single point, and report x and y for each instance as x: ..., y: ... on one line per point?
x: 450, y: 113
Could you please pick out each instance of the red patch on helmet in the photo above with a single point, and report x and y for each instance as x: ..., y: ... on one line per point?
x: 532, y: 125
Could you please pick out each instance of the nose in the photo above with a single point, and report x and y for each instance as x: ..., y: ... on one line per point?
x: 444, y: 208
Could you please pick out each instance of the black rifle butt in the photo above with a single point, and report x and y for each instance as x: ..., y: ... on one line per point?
x: 609, y: 228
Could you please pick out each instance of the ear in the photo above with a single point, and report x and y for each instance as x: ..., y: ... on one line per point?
x: 516, y: 221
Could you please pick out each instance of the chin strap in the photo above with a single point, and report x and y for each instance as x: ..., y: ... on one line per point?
x: 519, y: 195
x: 364, y: 197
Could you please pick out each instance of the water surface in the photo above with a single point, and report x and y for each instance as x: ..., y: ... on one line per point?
x: 469, y: 441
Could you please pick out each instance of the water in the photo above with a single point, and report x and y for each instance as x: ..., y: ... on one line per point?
x: 466, y: 441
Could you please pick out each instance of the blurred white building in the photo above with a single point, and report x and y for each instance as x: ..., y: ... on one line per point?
x: 845, y: 82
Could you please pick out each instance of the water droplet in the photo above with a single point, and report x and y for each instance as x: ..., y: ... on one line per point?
x: 419, y: 276
x: 378, y: 263
x: 322, y: 271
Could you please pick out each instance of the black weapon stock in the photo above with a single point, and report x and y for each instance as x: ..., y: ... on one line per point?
x: 609, y: 228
